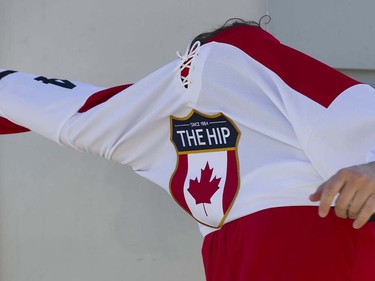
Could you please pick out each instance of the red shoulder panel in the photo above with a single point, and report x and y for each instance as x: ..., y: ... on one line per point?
x: 301, y: 72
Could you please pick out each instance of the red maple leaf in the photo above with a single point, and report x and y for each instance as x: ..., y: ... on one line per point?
x: 203, y: 190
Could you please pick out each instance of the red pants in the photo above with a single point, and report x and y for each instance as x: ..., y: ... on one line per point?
x: 290, y: 244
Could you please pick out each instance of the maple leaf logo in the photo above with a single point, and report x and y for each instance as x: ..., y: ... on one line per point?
x: 203, y: 190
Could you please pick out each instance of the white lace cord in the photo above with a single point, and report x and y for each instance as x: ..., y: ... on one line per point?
x: 185, y: 62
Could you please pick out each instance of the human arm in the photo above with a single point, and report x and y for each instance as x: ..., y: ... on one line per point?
x: 90, y: 95
x: 94, y: 119
x: 38, y: 103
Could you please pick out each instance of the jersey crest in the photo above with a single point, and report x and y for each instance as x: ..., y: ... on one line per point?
x: 206, y: 179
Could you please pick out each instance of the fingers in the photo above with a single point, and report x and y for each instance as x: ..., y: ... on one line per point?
x: 327, y: 192
x: 343, y: 202
x: 352, y: 190
x: 315, y: 197
x: 366, y: 212
x: 356, y: 204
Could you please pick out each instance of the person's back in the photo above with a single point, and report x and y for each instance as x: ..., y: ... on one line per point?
x: 240, y: 131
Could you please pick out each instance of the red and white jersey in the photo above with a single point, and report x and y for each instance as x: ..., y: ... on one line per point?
x: 253, y: 125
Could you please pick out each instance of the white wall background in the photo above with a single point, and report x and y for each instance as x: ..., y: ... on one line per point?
x: 340, y: 33
x: 66, y: 216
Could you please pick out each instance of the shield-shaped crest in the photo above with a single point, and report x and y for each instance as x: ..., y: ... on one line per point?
x: 206, y: 179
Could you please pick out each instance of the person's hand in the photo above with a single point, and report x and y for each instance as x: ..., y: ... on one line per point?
x: 355, y: 190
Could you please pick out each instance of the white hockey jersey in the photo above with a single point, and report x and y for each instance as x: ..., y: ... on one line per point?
x: 253, y: 125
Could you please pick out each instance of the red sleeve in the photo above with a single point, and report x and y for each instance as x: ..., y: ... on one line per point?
x: 8, y: 127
